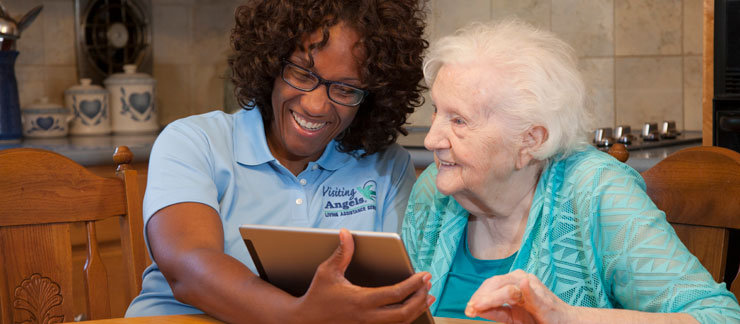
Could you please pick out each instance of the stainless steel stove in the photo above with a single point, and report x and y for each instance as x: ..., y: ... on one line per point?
x: 652, y: 135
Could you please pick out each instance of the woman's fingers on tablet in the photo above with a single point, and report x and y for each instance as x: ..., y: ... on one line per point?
x: 407, y: 311
x: 398, y: 293
x: 338, y: 262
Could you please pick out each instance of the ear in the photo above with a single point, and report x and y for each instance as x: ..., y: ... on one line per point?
x: 532, y: 139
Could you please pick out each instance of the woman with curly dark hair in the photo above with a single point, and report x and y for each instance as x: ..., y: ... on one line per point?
x: 326, y: 87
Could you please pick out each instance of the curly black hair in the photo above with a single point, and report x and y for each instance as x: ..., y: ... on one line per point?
x: 391, y: 36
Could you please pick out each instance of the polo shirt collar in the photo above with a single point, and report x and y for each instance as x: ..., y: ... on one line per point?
x: 332, y: 159
x: 250, y: 143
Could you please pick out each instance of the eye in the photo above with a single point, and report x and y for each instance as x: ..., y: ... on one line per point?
x: 458, y: 121
x: 302, y: 75
x: 344, y: 91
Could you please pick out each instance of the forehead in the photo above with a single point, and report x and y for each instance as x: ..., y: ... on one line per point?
x: 341, y: 46
x: 341, y: 35
x: 465, y: 85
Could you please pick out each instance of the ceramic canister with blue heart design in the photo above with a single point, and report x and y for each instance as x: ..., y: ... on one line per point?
x: 132, y: 101
x: 89, y: 106
x: 45, y: 119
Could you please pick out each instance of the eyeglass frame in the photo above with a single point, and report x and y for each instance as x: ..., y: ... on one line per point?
x: 321, y: 81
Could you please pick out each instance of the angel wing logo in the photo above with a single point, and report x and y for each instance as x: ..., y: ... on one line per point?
x: 368, y: 190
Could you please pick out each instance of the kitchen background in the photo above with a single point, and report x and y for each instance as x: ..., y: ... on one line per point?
x: 640, y: 58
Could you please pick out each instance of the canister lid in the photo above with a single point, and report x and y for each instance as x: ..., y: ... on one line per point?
x: 43, y: 106
x: 85, y: 87
x: 129, y: 76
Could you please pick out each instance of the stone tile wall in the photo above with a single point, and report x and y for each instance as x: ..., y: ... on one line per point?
x: 640, y: 58
x: 190, y: 47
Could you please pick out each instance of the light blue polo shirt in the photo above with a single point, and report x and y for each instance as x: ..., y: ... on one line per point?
x: 222, y: 160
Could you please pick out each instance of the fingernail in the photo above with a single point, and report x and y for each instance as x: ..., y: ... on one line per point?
x: 427, y: 277
x: 430, y: 300
x: 469, y: 312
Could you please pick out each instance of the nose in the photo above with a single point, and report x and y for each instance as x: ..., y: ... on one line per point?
x: 316, y: 102
x: 436, y: 138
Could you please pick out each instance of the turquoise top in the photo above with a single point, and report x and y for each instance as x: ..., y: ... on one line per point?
x: 593, y: 237
x: 466, y: 275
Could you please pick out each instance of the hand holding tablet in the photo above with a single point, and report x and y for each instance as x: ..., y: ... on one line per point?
x: 335, y: 278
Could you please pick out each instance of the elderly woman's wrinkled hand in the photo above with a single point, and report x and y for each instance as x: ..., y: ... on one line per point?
x: 517, y: 297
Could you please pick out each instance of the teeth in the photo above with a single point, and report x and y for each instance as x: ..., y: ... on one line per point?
x: 446, y: 163
x: 307, y: 124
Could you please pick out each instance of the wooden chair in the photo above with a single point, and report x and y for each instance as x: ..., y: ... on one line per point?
x: 698, y: 188
x: 736, y: 284
x: 41, y: 194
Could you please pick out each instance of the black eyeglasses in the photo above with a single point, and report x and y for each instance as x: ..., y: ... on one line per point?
x: 305, y: 80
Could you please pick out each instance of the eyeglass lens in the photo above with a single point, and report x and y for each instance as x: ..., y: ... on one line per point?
x: 306, y: 81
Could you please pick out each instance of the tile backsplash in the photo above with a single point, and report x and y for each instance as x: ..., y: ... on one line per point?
x: 641, y: 59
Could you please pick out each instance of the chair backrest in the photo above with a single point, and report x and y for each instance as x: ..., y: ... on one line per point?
x: 42, y: 194
x: 698, y: 188
x: 736, y: 284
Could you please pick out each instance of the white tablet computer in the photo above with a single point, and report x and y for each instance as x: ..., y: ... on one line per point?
x: 287, y: 257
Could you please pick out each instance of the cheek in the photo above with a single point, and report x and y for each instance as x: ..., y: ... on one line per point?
x: 489, y: 158
x: 475, y: 154
x: 346, y: 116
x: 281, y: 93
x: 276, y: 97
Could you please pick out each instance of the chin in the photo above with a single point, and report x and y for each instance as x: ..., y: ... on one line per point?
x: 445, y: 188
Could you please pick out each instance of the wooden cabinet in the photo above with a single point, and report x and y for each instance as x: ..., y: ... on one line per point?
x: 707, y: 72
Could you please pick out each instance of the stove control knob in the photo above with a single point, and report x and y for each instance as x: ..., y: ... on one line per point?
x: 650, y: 132
x: 603, y: 137
x: 668, y: 130
x: 623, y: 134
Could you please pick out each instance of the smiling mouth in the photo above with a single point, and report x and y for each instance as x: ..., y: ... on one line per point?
x: 307, y: 125
x: 444, y: 163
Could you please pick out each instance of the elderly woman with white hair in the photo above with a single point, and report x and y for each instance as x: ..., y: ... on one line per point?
x: 519, y: 219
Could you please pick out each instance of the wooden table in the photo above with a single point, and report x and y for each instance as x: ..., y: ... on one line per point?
x: 205, y: 319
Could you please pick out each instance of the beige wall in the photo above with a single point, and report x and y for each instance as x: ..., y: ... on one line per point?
x: 191, y: 44
x: 641, y: 58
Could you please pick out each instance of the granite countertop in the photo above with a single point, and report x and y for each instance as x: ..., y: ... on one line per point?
x: 91, y: 150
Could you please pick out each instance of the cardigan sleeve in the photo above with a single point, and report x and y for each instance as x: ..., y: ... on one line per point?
x: 644, y: 264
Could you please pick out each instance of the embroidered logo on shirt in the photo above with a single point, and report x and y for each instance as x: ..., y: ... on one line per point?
x: 368, y: 190
x: 343, y: 201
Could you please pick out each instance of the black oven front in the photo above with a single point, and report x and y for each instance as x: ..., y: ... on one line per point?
x: 726, y: 127
x: 726, y: 123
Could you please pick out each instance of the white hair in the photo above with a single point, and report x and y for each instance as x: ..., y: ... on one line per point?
x: 542, y: 85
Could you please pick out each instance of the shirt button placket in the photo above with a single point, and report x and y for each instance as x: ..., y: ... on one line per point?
x: 302, y: 209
